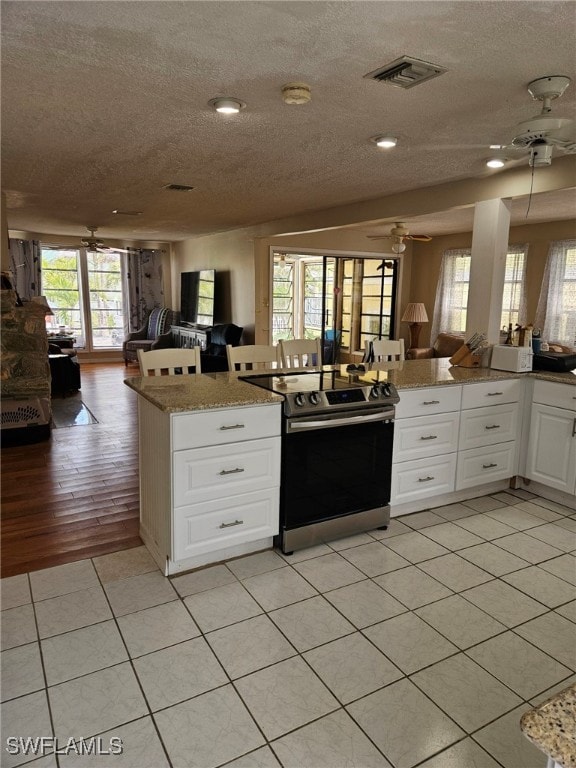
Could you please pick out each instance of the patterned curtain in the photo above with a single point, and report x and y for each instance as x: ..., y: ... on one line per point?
x: 144, y: 285
x: 556, y: 313
x: 25, y: 267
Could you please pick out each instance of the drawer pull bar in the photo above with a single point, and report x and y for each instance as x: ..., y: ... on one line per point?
x: 489, y: 466
x: 574, y: 428
x: 494, y: 394
x: 429, y: 437
x: 232, y: 426
x: 230, y: 525
x: 493, y: 426
x: 425, y: 479
x: 231, y: 471
x: 431, y: 402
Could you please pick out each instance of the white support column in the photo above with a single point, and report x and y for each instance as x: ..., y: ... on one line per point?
x: 489, y: 248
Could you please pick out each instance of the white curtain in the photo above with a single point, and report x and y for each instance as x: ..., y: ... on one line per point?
x: 451, y: 293
x: 556, y: 314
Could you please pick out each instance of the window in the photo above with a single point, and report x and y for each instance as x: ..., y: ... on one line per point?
x: 297, y: 297
x: 313, y: 282
x: 451, y: 305
x: 84, y: 290
x: 283, y: 299
x: 514, y: 294
x: 452, y: 293
x: 556, y: 314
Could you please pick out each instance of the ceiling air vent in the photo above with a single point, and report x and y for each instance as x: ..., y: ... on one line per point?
x: 178, y: 187
x: 406, y: 72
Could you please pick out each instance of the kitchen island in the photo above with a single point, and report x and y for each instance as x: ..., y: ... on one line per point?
x: 210, y: 450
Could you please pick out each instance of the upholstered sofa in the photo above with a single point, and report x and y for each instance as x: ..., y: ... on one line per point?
x: 444, y: 346
x: 154, y: 334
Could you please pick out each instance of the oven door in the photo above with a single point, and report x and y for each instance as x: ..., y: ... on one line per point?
x: 335, y: 465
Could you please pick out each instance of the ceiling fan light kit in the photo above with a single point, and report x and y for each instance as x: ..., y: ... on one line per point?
x: 227, y: 105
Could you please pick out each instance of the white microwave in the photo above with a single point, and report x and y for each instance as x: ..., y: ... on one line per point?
x: 507, y: 358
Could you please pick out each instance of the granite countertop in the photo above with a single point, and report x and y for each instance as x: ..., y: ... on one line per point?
x: 197, y: 392
x: 551, y: 726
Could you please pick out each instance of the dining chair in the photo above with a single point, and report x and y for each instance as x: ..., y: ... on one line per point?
x: 158, y: 361
x: 252, y: 357
x: 300, y: 353
x: 384, y: 349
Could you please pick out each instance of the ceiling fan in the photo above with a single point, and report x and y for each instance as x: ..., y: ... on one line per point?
x: 93, y: 244
x: 398, y: 234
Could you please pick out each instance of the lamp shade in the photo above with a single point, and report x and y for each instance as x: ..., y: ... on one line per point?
x: 43, y: 302
x: 415, y: 313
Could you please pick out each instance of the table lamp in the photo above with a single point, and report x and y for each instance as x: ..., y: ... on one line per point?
x: 415, y: 314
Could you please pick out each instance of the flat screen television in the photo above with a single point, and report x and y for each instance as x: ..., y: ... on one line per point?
x: 197, y: 297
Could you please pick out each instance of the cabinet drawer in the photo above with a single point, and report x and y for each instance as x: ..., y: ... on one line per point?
x: 213, y: 525
x: 491, y: 393
x: 201, y: 474
x: 488, y: 426
x: 422, y: 478
x: 423, y: 402
x: 215, y: 427
x: 483, y: 465
x: 558, y: 395
x: 425, y: 436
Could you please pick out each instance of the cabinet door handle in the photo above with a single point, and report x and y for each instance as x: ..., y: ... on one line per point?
x: 231, y: 471
x: 232, y: 426
x: 230, y: 525
x: 489, y: 466
x: 574, y: 428
x: 431, y: 402
x: 429, y: 437
x: 492, y: 426
x: 494, y: 394
x: 425, y: 479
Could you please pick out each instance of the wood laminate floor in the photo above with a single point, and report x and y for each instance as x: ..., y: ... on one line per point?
x: 76, y: 495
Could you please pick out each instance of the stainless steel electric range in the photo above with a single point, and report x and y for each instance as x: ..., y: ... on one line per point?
x: 337, y: 441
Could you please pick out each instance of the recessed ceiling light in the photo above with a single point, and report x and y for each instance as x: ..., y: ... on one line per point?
x: 497, y: 146
x: 385, y: 142
x: 227, y: 105
x: 495, y: 162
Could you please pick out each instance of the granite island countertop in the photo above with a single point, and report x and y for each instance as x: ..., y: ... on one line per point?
x: 196, y: 392
x: 551, y: 726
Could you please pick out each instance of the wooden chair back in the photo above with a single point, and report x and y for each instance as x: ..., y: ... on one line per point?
x: 159, y: 362
x: 300, y: 353
x: 252, y: 357
x: 386, y: 349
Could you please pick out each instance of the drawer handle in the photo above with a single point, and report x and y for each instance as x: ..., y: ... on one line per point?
x: 493, y: 426
x: 425, y: 479
x: 431, y: 402
x: 231, y: 471
x: 574, y: 427
x: 494, y: 394
x: 429, y: 437
x: 230, y: 525
x: 232, y: 426
x: 489, y: 466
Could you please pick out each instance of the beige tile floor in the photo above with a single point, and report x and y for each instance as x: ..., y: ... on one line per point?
x: 418, y: 646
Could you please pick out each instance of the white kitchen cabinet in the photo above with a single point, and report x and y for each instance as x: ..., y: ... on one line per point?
x: 489, y: 431
x: 425, y: 443
x: 209, y: 483
x: 551, y: 458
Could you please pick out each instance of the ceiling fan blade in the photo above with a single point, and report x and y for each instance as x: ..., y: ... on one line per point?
x: 419, y: 238
x: 379, y: 237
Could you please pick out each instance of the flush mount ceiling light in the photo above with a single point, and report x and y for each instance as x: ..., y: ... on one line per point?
x: 226, y: 105
x: 385, y: 142
x: 495, y: 162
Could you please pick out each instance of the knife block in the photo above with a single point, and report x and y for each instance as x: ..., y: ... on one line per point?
x: 465, y: 359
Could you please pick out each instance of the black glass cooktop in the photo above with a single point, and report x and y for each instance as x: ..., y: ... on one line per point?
x: 304, y: 381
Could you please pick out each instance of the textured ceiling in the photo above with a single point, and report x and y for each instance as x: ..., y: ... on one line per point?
x: 103, y: 103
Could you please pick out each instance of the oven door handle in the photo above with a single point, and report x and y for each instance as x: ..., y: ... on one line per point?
x: 300, y: 425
